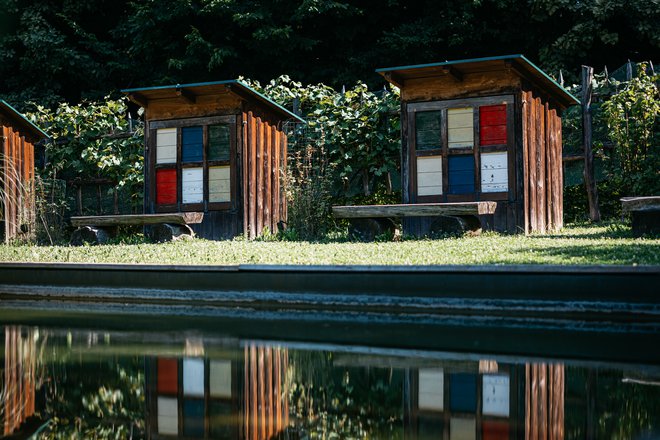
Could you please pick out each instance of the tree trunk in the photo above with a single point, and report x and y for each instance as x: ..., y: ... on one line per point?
x: 589, y: 175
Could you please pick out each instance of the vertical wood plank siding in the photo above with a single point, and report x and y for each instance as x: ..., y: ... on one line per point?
x: 264, y: 201
x: 265, y: 408
x: 542, y: 167
x: 544, y: 401
x: 17, y: 180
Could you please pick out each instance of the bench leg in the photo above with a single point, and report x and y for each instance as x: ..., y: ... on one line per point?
x: 455, y: 225
x: 168, y: 232
x: 646, y: 222
x: 367, y: 229
x: 91, y: 235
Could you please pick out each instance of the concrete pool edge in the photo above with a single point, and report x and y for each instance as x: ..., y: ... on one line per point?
x: 569, y: 284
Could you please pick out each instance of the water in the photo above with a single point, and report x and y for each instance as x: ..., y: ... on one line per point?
x: 86, y: 382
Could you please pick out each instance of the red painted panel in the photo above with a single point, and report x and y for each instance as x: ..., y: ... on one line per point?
x: 493, y: 135
x: 492, y: 125
x: 493, y: 430
x: 168, y: 376
x: 492, y: 114
x: 165, y: 187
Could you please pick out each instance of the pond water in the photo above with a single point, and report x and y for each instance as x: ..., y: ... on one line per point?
x: 60, y: 382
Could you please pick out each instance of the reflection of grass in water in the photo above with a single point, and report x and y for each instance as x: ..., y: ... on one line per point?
x: 330, y: 401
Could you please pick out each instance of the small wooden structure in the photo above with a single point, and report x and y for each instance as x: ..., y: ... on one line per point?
x: 486, y: 129
x: 17, y: 171
x: 216, y: 148
x: 645, y: 214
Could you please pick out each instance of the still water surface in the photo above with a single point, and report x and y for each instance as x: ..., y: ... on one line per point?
x: 65, y: 383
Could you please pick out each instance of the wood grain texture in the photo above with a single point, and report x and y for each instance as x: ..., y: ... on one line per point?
x: 415, y: 210
x: 179, y: 218
x: 473, y: 85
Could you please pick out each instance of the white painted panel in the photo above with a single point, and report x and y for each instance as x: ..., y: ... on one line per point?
x: 168, y: 415
x: 429, y: 176
x: 460, y: 127
x: 495, y: 395
x: 431, y: 388
x: 192, y: 185
x: 220, y: 379
x: 166, y: 145
x: 462, y: 429
x: 428, y: 164
x: 193, y: 377
x: 219, y: 184
x: 494, y: 172
x: 429, y: 179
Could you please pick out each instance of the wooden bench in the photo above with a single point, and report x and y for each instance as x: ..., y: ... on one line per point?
x: 645, y: 214
x: 368, y: 221
x: 98, y: 229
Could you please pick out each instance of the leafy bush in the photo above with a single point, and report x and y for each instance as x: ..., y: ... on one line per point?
x: 347, y: 152
x: 632, y: 119
x: 91, y: 140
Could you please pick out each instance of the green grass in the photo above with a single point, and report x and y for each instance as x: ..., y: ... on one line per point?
x: 610, y: 244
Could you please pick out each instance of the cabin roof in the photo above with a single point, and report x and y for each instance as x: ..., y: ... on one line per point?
x: 189, y: 92
x: 21, y: 121
x: 519, y: 64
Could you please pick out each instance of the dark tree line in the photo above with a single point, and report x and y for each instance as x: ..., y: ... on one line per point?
x: 66, y: 50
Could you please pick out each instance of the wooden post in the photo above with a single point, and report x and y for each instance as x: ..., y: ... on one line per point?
x: 589, y: 179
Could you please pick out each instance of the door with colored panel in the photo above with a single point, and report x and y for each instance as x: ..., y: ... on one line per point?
x: 427, y: 155
x: 166, y: 181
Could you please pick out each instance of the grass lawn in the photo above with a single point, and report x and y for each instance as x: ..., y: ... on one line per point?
x: 609, y: 244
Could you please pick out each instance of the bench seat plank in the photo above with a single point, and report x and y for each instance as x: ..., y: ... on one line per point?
x: 633, y: 203
x: 179, y: 218
x: 415, y: 210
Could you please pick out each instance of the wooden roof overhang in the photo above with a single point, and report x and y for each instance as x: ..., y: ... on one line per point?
x: 28, y: 129
x: 456, y: 70
x: 189, y: 94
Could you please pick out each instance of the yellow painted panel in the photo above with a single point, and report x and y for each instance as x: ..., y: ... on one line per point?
x: 460, y: 127
x: 460, y: 117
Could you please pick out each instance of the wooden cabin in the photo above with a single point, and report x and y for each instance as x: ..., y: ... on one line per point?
x: 19, y: 136
x: 223, y: 397
x: 486, y: 129
x: 216, y: 148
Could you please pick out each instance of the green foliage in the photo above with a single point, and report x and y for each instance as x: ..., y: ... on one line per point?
x: 93, y: 140
x: 347, y: 152
x: 632, y: 116
x: 68, y: 50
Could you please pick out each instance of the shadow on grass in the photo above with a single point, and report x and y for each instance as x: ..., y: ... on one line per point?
x: 642, y: 253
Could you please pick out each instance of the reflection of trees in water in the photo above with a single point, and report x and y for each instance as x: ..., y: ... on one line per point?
x: 80, y: 396
x: 330, y: 401
x: 601, y: 403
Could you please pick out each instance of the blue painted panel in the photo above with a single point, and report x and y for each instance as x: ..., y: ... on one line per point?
x: 461, y: 174
x: 463, y: 392
x: 192, y: 144
x: 193, y: 418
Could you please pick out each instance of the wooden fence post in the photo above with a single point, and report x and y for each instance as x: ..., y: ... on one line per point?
x: 589, y: 178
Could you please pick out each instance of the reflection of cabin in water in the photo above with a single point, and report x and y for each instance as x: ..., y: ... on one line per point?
x: 486, y: 129
x: 216, y: 148
x: 17, y: 173
x: 218, y: 396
